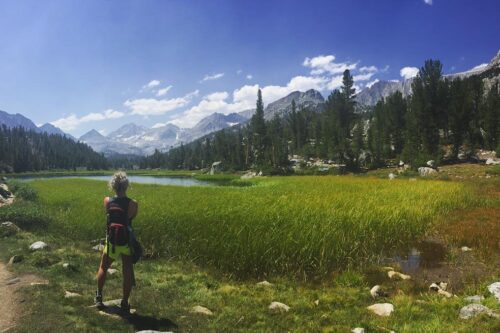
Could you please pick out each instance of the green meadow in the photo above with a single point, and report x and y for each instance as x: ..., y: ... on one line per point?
x: 294, y: 226
x: 318, y: 240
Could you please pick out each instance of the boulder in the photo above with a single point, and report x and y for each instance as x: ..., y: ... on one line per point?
x: 431, y: 164
x: 396, y: 275
x: 249, y: 175
x: 382, y: 309
x: 216, y: 167
x: 473, y: 310
x: 392, y: 176
x: 277, y: 307
x: 8, y: 229
x: 112, y: 271
x: 4, y: 191
x: 13, y: 281
x: 198, y: 309
x: 465, y: 249
x: 15, y: 259
x: 474, y: 299
x: 358, y: 330
x: 264, y: 284
x: 440, y: 288
x: 491, y: 161
x: 426, y: 171
x: 38, y: 246
x: 69, y: 294
x: 494, y: 288
x: 377, y: 291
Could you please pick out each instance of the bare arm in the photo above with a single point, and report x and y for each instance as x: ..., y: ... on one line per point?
x: 133, y: 208
x: 106, y: 200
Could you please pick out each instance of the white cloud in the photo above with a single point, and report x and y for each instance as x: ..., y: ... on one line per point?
x: 154, y: 107
x: 368, y: 69
x: 239, y: 71
x: 371, y: 83
x: 408, y: 72
x: 249, y: 76
x: 429, y: 2
x: 158, y: 125
x: 325, y: 64
x: 212, y: 77
x: 363, y: 77
x: 150, y: 85
x: 163, y: 91
x: 72, y: 121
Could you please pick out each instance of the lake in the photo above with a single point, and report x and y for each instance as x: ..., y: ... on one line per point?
x: 158, y: 180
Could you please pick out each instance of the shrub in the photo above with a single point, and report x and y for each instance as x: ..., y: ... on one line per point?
x: 23, y: 190
x: 26, y: 215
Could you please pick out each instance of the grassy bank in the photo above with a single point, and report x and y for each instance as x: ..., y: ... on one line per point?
x: 295, y: 226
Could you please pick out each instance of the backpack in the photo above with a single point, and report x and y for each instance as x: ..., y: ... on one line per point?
x: 117, y: 222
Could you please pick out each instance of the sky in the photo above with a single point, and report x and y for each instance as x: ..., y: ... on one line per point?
x: 84, y: 65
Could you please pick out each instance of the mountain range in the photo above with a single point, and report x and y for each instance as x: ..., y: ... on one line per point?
x: 490, y: 74
x: 18, y: 120
x: 140, y: 140
x: 133, y: 139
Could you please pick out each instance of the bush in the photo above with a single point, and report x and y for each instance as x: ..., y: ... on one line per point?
x: 23, y: 190
x: 26, y: 215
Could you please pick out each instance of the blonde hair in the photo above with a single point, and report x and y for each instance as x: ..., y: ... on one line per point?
x: 119, y: 182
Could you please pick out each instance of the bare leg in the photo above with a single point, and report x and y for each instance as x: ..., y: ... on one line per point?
x: 106, y: 261
x: 127, y: 276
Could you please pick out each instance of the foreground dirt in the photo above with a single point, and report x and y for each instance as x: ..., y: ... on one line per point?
x: 11, y: 309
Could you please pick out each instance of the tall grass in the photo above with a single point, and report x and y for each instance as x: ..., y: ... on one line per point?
x: 301, y: 226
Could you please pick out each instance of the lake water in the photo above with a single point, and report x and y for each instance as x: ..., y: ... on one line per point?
x: 159, y: 180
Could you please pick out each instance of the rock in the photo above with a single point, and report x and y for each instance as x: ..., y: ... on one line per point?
x: 474, y: 299
x: 431, y: 163
x: 249, y: 175
x: 15, y: 259
x: 358, y: 330
x: 387, y: 268
x: 316, y: 302
x: 4, y: 191
x: 98, y: 248
x: 8, y: 229
x: 377, y: 291
x: 472, y: 310
x: 392, y: 176
x: 13, y: 281
x: 152, y: 331
x: 494, y: 288
x: 440, y: 288
x: 445, y: 293
x: 465, y: 249
x: 382, y: 309
x: 38, y: 246
x: 39, y: 283
x: 491, y: 161
x: 396, y: 275
x: 112, y: 271
x: 69, y: 294
x: 426, y: 171
x: 201, y: 310
x: 216, y: 167
x: 264, y: 284
x: 277, y: 307
x: 65, y: 265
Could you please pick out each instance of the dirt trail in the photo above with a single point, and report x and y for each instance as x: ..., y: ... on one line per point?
x: 10, y: 300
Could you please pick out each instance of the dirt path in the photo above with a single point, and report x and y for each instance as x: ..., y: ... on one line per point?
x: 10, y: 300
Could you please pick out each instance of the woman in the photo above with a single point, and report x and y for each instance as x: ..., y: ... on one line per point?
x: 120, y: 211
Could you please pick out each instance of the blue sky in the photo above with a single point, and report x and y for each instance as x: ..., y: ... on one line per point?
x: 101, y: 64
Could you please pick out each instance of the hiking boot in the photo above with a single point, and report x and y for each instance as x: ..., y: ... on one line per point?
x: 98, y: 300
x: 125, y: 307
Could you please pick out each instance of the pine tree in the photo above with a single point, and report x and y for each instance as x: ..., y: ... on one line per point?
x: 258, y: 132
